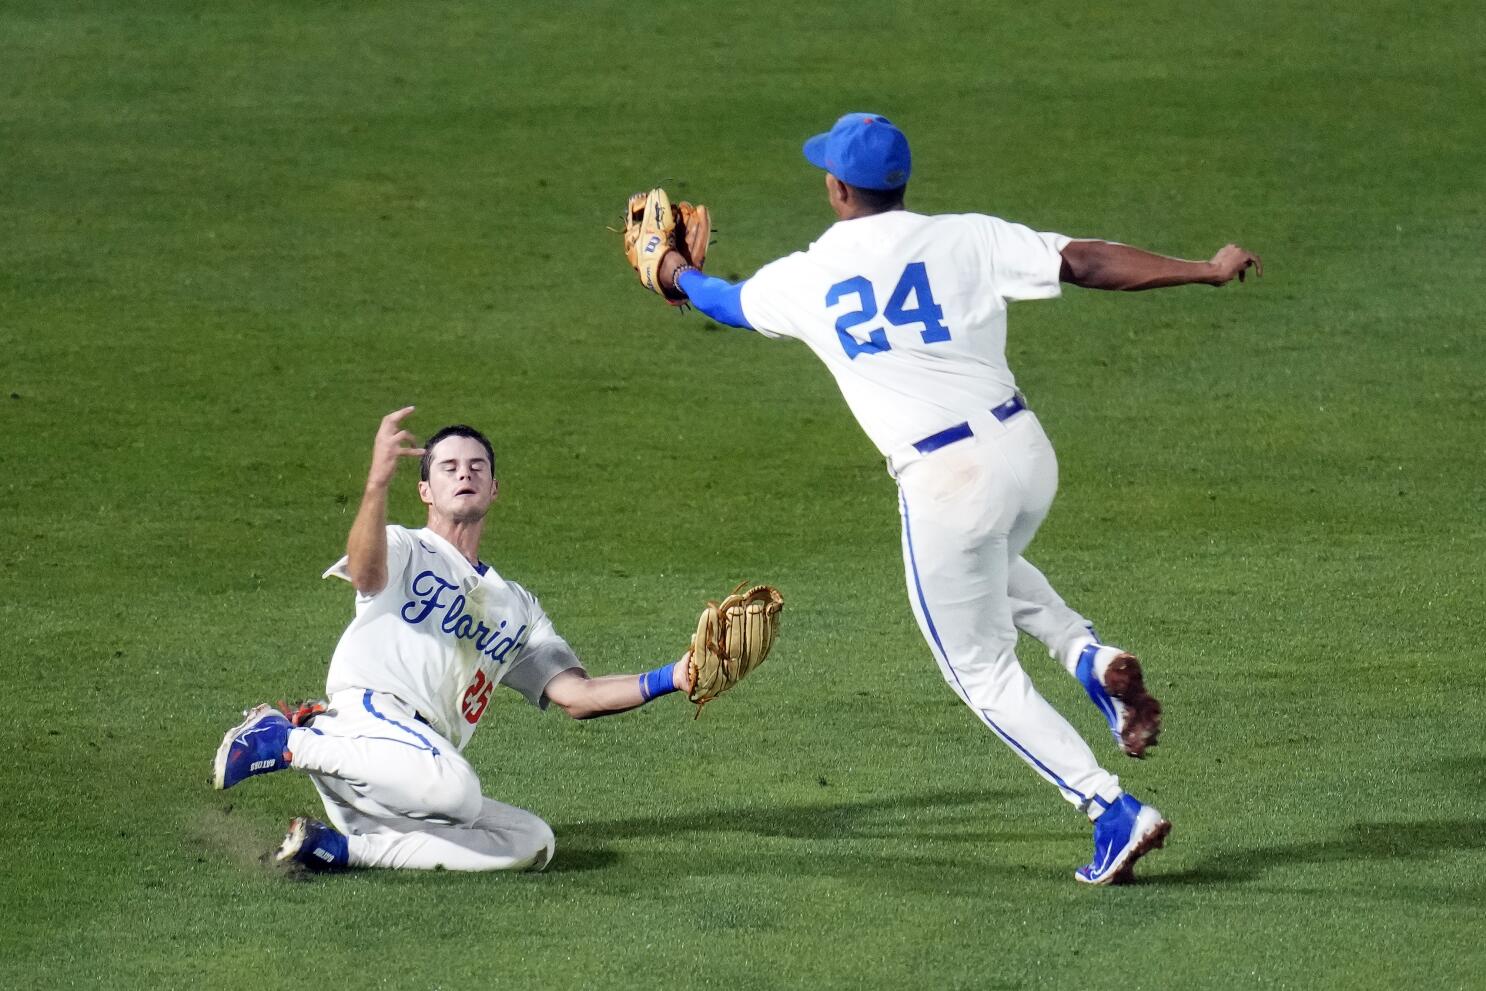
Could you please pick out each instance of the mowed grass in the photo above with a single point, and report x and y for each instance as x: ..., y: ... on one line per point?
x: 231, y: 239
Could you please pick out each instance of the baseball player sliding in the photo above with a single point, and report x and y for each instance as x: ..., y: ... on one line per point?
x: 909, y: 314
x: 436, y: 629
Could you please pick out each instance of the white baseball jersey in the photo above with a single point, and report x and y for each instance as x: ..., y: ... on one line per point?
x: 909, y: 313
x: 441, y: 635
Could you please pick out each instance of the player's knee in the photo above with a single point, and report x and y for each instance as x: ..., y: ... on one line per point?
x: 543, y: 845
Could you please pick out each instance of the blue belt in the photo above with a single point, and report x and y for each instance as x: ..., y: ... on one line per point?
x: 960, y: 431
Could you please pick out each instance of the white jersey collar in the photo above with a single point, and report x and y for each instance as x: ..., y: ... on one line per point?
x: 342, y: 568
x: 489, y: 574
x: 858, y: 228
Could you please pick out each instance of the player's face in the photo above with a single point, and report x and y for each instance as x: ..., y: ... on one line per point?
x: 460, y: 485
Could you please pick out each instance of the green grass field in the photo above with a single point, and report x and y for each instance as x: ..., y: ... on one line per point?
x: 233, y: 236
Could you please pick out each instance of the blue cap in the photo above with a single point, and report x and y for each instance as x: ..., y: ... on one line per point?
x: 864, y: 150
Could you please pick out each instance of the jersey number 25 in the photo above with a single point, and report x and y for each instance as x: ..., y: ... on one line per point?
x: 913, y: 282
x: 476, y: 697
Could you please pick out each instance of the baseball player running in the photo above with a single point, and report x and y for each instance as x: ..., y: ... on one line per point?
x: 436, y: 629
x: 909, y: 314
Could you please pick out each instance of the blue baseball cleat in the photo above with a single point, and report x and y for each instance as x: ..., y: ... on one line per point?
x: 257, y: 745
x: 1125, y: 832
x: 1113, y: 680
x: 314, y: 846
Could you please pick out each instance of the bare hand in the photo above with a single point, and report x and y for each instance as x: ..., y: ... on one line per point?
x: 681, y: 675
x: 665, y: 273
x: 1232, y: 261
x: 392, y: 442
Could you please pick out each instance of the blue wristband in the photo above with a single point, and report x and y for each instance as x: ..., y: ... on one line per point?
x: 661, y: 681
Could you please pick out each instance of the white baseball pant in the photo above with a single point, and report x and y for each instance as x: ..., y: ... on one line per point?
x: 968, y: 510
x: 405, y: 797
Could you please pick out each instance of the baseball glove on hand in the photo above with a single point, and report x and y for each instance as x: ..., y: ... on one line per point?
x: 733, y: 637
x: 302, y: 713
x: 654, y: 227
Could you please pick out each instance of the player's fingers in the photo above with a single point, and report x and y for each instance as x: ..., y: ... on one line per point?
x: 398, y: 415
x: 410, y: 452
x: 1258, y: 264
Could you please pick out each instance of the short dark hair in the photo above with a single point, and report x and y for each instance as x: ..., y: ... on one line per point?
x: 456, y: 430
x: 878, y: 200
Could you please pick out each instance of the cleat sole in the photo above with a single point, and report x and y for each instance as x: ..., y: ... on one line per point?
x: 1125, y: 683
x: 1155, y: 841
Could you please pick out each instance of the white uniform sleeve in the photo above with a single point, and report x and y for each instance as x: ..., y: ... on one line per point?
x: 768, y: 299
x: 545, y: 656
x: 1024, y: 263
x: 399, y: 550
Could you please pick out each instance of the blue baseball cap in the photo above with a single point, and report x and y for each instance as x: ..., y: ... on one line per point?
x: 864, y: 150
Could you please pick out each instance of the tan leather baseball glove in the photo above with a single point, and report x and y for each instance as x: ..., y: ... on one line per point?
x: 653, y: 226
x: 733, y: 637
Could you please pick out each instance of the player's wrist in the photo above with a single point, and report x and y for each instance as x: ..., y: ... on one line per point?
x: 661, y: 681
x: 679, y: 271
x: 671, y: 267
x: 378, y: 482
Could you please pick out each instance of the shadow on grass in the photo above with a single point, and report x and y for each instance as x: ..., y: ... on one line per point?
x: 931, y: 821
x: 886, y: 817
x: 1361, y: 843
x: 940, y: 842
x: 575, y: 861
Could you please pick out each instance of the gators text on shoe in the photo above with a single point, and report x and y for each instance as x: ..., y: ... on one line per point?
x: 1115, y: 684
x: 314, y: 846
x: 1125, y: 832
x: 257, y: 745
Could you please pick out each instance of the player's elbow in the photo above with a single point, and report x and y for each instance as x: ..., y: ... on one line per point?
x: 577, y: 705
x: 582, y: 711
x: 1083, y: 264
x: 575, y: 695
x: 367, y: 579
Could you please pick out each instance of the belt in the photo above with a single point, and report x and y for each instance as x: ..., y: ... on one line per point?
x: 422, y: 719
x: 960, y: 431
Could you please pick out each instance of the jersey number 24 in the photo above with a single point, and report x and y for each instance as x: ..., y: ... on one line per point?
x: 913, y: 282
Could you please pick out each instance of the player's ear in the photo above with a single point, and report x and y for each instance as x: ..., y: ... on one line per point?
x: 837, y: 193
x: 494, y: 489
x: 425, y: 493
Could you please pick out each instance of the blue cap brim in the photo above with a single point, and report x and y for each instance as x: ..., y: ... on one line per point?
x: 815, y: 151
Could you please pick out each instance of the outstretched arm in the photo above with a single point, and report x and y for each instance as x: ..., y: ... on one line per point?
x: 583, y: 697
x: 717, y: 298
x: 1107, y: 265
